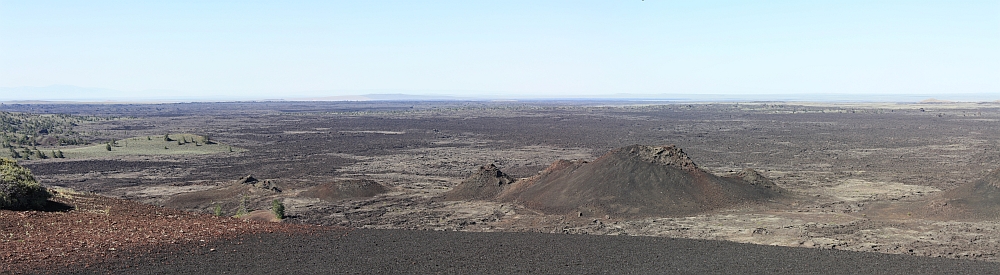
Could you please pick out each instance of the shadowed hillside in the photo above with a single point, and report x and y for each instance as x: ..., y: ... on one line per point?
x: 978, y: 200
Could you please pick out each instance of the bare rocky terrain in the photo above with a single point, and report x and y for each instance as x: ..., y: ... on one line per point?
x: 857, y: 176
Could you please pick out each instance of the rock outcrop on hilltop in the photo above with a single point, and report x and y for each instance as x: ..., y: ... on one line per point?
x: 486, y: 184
x: 633, y: 181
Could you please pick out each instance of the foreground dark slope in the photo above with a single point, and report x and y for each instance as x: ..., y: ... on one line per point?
x: 367, y: 251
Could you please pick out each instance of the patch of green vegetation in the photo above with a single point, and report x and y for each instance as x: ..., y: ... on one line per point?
x: 146, y: 146
x: 18, y: 188
x: 242, y: 211
x: 26, y: 130
x: 21, y: 134
x: 278, y: 208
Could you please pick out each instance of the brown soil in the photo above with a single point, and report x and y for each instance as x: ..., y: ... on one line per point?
x: 88, y: 229
x: 262, y: 216
x: 344, y: 189
x: 227, y: 197
x: 634, y: 181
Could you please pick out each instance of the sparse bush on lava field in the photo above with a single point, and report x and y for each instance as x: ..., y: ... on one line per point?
x: 18, y: 188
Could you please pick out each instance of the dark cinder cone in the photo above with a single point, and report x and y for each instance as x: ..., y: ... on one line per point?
x: 633, y: 181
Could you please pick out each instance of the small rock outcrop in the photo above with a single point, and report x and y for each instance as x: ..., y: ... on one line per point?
x: 249, y: 179
x: 486, y: 184
x: 265, y: 184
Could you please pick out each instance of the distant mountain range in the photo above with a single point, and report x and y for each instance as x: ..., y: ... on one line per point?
x: 57, y: 93
x: 68, y: 93
x: 393, y: 97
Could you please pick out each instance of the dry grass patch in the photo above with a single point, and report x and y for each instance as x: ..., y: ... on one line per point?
x: 176, y: 144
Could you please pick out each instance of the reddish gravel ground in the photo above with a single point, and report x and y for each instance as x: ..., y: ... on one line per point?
x: 81, y: 230
x: 102, y: 235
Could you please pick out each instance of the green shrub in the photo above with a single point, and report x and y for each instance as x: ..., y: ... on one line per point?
x: 18, y: 188
x: 278, y: 208
x: 243, y: 210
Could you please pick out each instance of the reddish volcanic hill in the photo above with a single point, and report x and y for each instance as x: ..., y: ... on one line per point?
x: 634, y: 181
x: 979, y: 200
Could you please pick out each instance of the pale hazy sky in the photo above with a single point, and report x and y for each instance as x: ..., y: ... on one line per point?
x: 282, y: 49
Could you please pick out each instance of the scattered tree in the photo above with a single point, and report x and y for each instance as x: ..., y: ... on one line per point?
x: 166, y: 137
x: 107, y: 146
x: 278, y: 209
x: 243, y: 210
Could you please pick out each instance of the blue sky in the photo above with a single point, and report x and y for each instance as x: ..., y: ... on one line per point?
x: 496, y: 49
